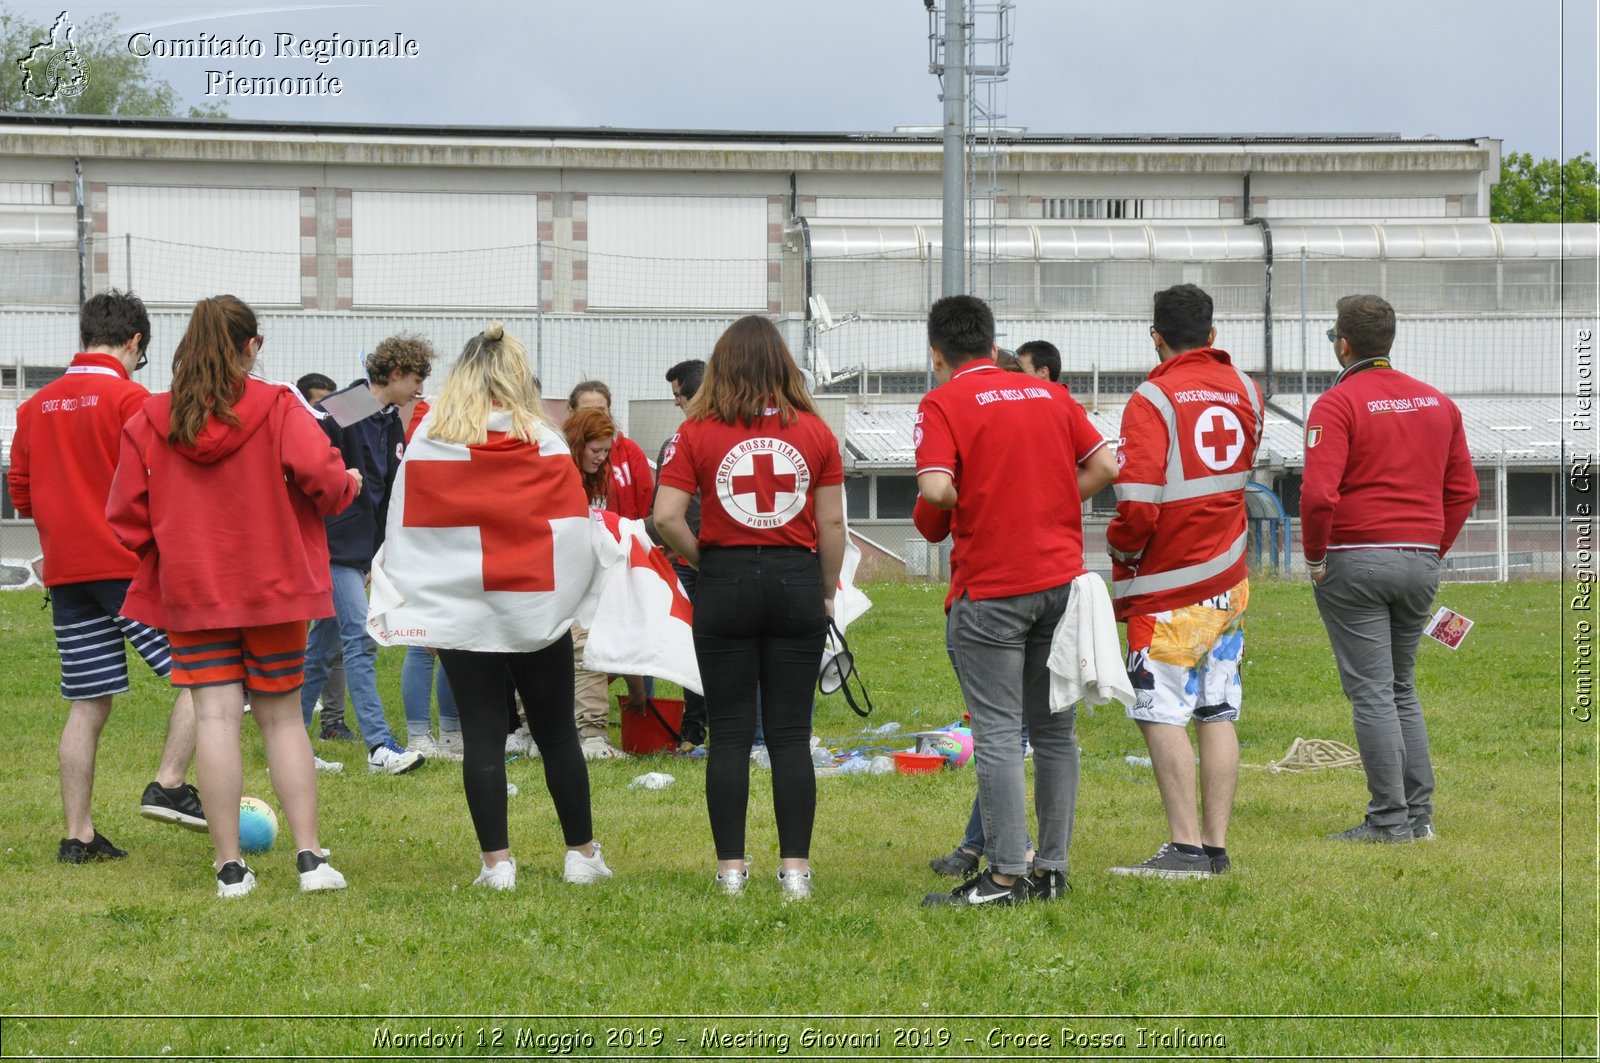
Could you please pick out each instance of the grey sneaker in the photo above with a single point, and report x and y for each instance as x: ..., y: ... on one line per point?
x: 1422, y: 830
x: 1368, y: 831
x: 732, y: 882
x: 1169, y: 862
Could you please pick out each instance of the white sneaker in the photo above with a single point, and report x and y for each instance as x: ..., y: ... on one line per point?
x: 423, y: 744
x: 449, y: 746
x: 316, y: 873
x: 599, y: 747
x: 518, y: 743
x: 502, y: 876
x: 391, y: 758
x: 585, y: 869
x: 326, y: 765
x: 796, y: 885
x: 732, y: 882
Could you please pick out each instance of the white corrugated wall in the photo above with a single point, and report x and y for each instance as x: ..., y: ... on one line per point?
x: 466, y: 249
x: 186, y: 236
x: 677, y: 252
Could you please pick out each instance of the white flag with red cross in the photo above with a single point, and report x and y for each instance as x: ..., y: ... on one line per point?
x: 643, y: 622
x: 488, y: 547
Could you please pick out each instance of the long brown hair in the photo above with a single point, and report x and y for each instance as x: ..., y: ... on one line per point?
x: 584, y: 427
x: 749, y: 372
x: 208, y: 367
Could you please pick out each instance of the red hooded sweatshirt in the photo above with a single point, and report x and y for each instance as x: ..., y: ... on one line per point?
x: 229, y: 531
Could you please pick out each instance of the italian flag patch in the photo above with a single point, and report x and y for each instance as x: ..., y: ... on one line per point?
x: 1313, y: 435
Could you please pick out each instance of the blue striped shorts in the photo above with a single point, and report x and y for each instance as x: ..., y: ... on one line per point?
x: 89, y: 634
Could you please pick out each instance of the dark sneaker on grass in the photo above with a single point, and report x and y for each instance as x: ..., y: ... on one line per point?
x: 180, y: 805
x: 1169, y: 862
x: 982, y: 892
x: 97, y: 848
x: 337, y: 732
x: 1048, y: 885
x: 1422, y: 830
x: 1368, y: 831
x: 235, y: 879
x: 959, y: 863
x: 1221, y: 865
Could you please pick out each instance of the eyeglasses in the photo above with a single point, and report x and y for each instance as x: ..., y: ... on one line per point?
x: 1333, y: 335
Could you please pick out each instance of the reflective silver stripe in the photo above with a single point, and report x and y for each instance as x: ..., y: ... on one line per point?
x: 1174, y: 578
x: 1201, y: 486
x: 1255, y: 399
x: 1138, y: 492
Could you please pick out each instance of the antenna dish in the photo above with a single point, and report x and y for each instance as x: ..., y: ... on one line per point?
x: 819, y: 311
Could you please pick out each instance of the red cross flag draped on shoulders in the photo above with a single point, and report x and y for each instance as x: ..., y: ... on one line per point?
x: 488, y: 547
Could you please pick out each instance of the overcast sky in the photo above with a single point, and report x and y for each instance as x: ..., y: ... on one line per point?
x: 1525, y: 73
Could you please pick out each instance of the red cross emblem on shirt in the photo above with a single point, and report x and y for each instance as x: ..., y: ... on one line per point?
x: 1219, y: 439
x: 509, y: 492
x: 764, y: 483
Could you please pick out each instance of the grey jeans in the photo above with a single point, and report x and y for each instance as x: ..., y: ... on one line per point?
x: 1000, y: 647
x: 1375, y: 603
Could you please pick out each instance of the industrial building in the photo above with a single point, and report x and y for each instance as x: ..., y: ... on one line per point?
x: 615, y: 253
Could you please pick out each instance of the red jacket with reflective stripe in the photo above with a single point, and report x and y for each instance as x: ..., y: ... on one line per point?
x: 1189, y: 438
x: 1387, y: 465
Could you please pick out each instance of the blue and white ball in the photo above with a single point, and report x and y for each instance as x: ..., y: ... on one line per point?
x: 258, y: 825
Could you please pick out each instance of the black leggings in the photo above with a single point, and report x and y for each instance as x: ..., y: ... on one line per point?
x: 544, y: 679
x: 759, y: 619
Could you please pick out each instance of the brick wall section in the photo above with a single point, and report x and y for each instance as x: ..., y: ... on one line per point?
x: 344, y: 266
x: 100, y: 239
x: 547, y: 235
x: 308, y: 248
x: 579, y: 256
x: 777, y: 216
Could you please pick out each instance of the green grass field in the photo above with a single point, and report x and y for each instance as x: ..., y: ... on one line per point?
x: 1480, y: 946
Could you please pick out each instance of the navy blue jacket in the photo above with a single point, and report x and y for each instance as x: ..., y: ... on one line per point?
x: 375, y: 446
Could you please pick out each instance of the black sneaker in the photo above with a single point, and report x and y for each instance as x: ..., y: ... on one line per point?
x: 983, y: 892
x: 97, y: 848
x: 180, y: 805
x: 1422, y: 829
x: 1048, y: 884
x: 337, y: 732
x: 959, y: 863
x: 235, y: 879
x: 1368, y: 831
x: 1221, y: 865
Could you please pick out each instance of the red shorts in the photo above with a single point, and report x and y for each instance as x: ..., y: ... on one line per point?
x: 270, y: 659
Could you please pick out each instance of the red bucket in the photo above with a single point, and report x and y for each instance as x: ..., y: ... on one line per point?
x: 642, y: 733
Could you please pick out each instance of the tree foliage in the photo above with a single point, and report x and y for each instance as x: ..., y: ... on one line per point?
x: 88, y: 70
x: 1546, y: 190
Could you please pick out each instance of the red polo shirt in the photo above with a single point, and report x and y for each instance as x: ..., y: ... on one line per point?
x: 1013, y: 445
x: 756, y: 484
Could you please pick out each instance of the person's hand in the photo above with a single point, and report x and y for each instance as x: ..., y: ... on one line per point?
x: 366, y: 579
x: 633, y: 700
x: 1318, y: 575
x: 355, y: 474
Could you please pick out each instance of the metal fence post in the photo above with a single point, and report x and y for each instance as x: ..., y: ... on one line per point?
x: 1501, y: 531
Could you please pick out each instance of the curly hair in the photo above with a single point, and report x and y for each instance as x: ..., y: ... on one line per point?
x: 407, y: 352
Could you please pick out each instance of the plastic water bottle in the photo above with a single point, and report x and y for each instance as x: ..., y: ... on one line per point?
x: 880, y: 765
x: 655, y: 780
x: 855, y: 765
x: 1138, y: 762
x: 821, y: 756
x: 511, y: 789
x: 888, y: 729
